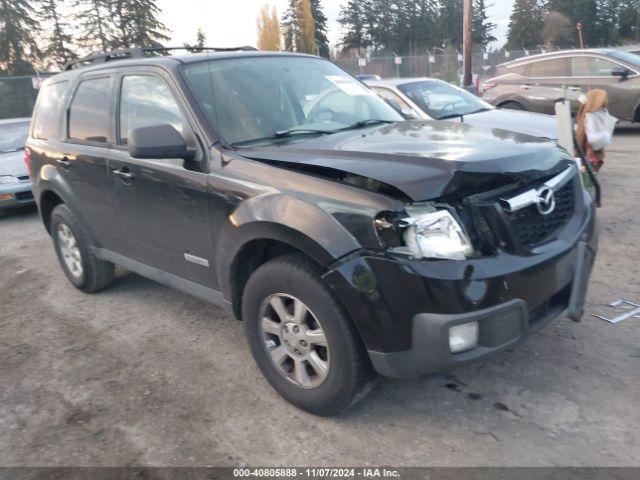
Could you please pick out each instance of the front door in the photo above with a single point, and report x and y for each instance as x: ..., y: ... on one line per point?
x: 161, y: 204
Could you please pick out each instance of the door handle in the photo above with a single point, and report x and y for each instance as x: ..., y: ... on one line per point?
x: 63, y: 162
x: 525, y: 87
x: 124, y: 174
x: 574, y: 89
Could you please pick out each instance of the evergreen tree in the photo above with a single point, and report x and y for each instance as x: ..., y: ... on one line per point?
x: 482, y: 27
x: 450, y: 21
x: 320, y: 22
x: 268, y: 29
x: 579, y: 11
x: 629, y: 25
x: 201, y: 38
x: 138, y: 24
x: 352, y: 21
x: 525, y: 25
x: 607, y: 22
x: 298, y: 27
x: 18, y: 30
x: 96, y: 25
x: 290, y: 26
x: 58, y: 41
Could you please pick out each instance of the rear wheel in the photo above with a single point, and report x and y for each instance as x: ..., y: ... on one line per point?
x: 83, y: 269
x: 512, y: 106
x: 304, y: 344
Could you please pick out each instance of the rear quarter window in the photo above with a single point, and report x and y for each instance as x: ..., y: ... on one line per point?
x: 46, y: 118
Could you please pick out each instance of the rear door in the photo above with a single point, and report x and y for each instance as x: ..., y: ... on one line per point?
x: 590, y: 71
x: 81, y: 158
x: 161, y: 204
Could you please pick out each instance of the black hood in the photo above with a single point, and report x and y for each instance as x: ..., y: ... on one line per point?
x: 423, y: 159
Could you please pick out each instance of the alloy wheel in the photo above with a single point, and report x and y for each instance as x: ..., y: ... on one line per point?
x: 70, y: 251
x: 294, y: 340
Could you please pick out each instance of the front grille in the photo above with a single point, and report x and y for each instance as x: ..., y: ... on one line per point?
x: 531, y: 228
x: 24, y: 195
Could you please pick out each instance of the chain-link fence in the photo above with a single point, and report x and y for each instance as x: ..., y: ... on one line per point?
x: 443, y: 66
x: 18, y: 95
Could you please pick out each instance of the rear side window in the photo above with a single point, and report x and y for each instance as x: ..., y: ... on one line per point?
x: 146, y: 100
x: 46, y: 116
x: 555, y: 67
x: 90, y: 111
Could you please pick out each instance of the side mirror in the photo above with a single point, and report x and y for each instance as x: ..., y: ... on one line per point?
x: 621, y: 72
x: 158, y: 141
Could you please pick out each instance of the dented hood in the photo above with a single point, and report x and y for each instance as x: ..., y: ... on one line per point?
x: 422, y: 159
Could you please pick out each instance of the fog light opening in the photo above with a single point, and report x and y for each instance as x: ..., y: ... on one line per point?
x: 463, y: 337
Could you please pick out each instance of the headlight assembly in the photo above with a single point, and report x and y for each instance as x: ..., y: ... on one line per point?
x: 430, y: 232
x: 8, y: 179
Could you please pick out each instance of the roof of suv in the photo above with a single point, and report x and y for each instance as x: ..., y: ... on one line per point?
x: 172, y: 60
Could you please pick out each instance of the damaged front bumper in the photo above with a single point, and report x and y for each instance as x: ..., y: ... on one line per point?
x: 405, y: 308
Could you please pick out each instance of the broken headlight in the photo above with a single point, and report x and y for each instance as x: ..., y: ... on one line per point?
x: 434, y: 233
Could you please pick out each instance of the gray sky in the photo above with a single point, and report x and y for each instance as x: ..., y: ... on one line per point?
x: 233, y: 22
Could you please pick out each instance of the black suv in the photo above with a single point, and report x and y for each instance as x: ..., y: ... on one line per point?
x: 352, y: 243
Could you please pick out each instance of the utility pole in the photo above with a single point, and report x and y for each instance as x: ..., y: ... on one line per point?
x: 467, y: 44
x: 580, y: 40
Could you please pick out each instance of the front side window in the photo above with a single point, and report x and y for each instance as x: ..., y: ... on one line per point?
x: 555, y: 67
x: 45, y: 117
x: 253, y: 100
x: 441, y: 100
x: 90, y: 111
x: 583, y: 66
x: 146, y: 100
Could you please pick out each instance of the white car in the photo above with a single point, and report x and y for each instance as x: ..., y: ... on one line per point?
x: 432, y: 99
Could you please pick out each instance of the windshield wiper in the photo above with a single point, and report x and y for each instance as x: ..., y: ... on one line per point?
x: 462, y: 115
x: 292, y: 132
x: 299, y: 131
x: 364, y: 123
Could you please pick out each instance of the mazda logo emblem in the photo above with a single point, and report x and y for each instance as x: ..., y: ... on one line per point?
x: 546, y: 201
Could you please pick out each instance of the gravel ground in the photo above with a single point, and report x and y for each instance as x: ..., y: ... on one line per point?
x: 143, y: 375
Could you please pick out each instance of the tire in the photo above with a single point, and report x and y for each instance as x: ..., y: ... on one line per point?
x: 349, y: 375
x: 512, y: 106
x: 83, y: 269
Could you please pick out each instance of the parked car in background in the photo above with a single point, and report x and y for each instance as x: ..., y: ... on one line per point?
x: 535, y: 83
x: 430, y: 99
x: 15, y: 186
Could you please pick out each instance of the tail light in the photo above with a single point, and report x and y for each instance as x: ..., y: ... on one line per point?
x: 487, y: 86
x: 27, y: 159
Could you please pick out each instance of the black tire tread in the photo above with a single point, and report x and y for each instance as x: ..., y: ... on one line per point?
x: 363, y: 374
x: 98, y: 273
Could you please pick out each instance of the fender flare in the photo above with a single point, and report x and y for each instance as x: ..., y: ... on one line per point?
x: 303, y: 226
x: 50, y: 180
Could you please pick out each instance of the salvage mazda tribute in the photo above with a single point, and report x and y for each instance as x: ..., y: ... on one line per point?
x: 350, y: 242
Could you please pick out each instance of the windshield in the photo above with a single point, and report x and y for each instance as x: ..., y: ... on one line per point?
x: 263, y: 100
x: 13, y: 136
x: 628, y: 57
x: 441, y: 100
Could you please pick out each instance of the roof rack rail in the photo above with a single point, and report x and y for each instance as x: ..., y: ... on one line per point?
x: 138, y: 52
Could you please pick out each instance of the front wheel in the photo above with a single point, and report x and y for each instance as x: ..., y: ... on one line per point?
x: 302, y: 341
